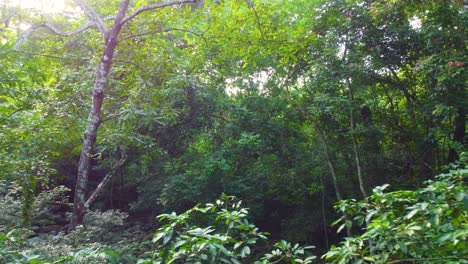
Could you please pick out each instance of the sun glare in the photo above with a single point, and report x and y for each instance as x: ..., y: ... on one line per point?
x: 47, y: 6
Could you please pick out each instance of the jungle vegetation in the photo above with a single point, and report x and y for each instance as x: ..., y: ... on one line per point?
x: 234, y: 131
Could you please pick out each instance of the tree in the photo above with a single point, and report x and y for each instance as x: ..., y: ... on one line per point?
x: 110, y: 36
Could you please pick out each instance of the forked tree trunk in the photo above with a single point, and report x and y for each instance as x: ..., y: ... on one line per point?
x: 80, y: 204
x: 90, y: 134
x: 94, y: 120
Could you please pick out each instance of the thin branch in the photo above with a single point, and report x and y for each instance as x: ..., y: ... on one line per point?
x: 152, y: 32
x: 324, y: 217
x: 257, y: 18
x: 17, y: 110
x: 50, y: 55
x: 156, y: 32
x: 93, y: 15
x: 321, y: 137
x: 6, y: 19
x: 50, y: 27
x: 152, y: 7
x: 129, y: 62
x: 200, y: 35
x: 54, y: 29
x: 111, y: 116
x: 278, y: 260
x: 219, y: 116
x: 105, y: 180
x: 71, y: 58
x: 120, y: 15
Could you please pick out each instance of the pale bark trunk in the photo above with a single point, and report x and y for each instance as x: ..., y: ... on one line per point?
x: 105, y: 181
x: 80, y: 204
x: 354, y: 140
x: 100, y: 85
x: 351, y: 116
x: 91, y: 132
x: 326, y: 151
x: 324, y: 217
x: 459, y: 132
x: 110, y: 36
x: 324, y: 144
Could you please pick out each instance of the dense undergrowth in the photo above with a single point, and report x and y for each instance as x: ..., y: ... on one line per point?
x: 427, y: 225
x: 291, y: 106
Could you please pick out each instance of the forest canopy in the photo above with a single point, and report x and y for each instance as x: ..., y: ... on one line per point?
x: 233, y: 131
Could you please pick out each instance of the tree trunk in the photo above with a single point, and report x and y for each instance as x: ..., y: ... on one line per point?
x: 90, y: 134
x: 100, y: 85
x: 459, y: 133
x: 326, y: 151
x: 355, y: 144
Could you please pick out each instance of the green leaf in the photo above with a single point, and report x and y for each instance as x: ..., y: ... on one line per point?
x: 402, y: 246
x: 444, y: 237
x: 167, y: 237
x: 179, y: 243
x: 235, y: 261
x: 411, y: 214
x: 245, y: 251
x: 157, y: 236
x: 222, y: 249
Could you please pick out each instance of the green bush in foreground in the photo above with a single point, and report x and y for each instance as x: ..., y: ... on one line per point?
x: 229, y: 239
x: 428, y: 225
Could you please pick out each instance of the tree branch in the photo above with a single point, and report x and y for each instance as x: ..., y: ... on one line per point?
x: 111, y: 116
x: 105, y: 180
x: 54, y: 29
x: 6, y: 19
x: 219, y: 116
x: 93, y: 15
x: 257, y: 18
x: 121, y: 13
x: 17, y: 110
x: 50, y: 55
x: 200, y: 35
x: 155, y: 6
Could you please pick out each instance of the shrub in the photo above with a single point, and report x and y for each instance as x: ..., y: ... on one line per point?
x: 427, y: 225
x: 229, y: 239
x: 11, y: 206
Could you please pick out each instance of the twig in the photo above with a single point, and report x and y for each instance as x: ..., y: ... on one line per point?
x: 109, y: 117
x: 257, y: 18
x: 200, y: 35
x: 152, y: 7
x: 6, y: 20
x: 49, y: 55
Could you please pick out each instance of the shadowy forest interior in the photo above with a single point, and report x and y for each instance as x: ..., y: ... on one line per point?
x: 233, y: 131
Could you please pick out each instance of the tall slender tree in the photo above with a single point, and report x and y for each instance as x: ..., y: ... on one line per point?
x: 110, y: 37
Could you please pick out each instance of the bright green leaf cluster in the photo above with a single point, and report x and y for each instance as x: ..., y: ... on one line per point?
x: 428, y: 224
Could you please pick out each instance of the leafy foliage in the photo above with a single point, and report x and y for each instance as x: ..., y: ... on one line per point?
x: 230, y: 238
x: 286, y: 252
x: 428, y: 224
x: 14, y: 250
x: 228, y: 241
x: 217, y: 97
